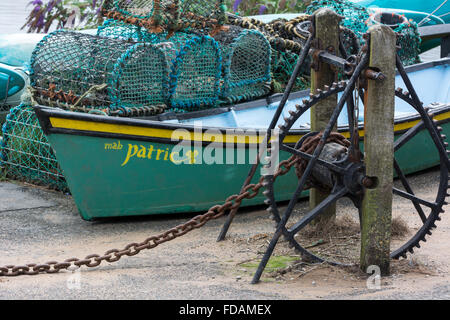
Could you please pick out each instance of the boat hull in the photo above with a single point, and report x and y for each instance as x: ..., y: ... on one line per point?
x: 125, y: 167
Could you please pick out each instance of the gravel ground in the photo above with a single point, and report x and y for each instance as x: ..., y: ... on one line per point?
x: 38, y: 225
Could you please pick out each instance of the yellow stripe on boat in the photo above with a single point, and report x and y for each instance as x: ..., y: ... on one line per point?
x: 82, y: 125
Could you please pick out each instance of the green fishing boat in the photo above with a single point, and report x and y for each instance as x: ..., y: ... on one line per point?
x: 188, y: 162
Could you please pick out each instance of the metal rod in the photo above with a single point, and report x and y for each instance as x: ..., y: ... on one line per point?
x: 309, y: 167
x: 424, y: 19
x: 409, y: 190
x: 435, y: 136
x: 333, y: 197
x: 414, y: 198
x: 408, y: 135
x: 309, y: 157
x: 273, y: 123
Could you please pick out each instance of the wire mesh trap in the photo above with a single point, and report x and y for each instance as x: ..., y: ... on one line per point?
x: 359, y: 19
x: 119, y: 30
x: 246, y: 64
x: 194, y: 60
x: 158, y: 16
x: 80, y: 71
x: 26, y: 154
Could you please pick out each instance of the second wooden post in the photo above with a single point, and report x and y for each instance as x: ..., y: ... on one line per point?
x: 327, y: 35
x: 379, y: 151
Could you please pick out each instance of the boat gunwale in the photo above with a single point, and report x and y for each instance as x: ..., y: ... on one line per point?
x: 44, y: 114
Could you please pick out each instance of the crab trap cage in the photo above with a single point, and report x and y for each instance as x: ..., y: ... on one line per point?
x: 81, y: 71
x: 232, y: 66
x: 160, y: 15
x: 246, y: 59
x: 359, y: 19
x: 195, y: 75
x: 194, y: 61
x: 25, y: 152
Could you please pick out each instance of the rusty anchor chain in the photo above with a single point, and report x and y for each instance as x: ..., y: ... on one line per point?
x: 132, y: 249
x: 231, y: 203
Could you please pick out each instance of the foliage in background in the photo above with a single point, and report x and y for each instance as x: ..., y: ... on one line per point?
x: 85, y: 14
x: 69, y: 14
x: 255, y: 7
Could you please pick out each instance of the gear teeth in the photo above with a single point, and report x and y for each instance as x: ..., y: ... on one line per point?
x: 305, y: 101
x: 292, y: 112
x: 334, y: 85
x: 404, y: 256
x: 327, y: 88
x: 443, y: 136
x: 439, y: 129
x: 399, y: 90
x: 318, y: 91
x: 418, y: 246
x: 267, y: 201
x: 411, y: 250
x: 266, y: 193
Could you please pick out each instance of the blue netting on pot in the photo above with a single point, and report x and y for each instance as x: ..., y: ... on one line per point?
x: 25, y: 153
x: 195, y: 72
x: 246, y: 64
x: 82, y: 72
x: 158, y: 16
x: 119, y: 30
x: 359, y: 19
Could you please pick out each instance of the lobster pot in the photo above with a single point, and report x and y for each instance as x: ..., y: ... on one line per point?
x: 409, y: 42
x: 160, y: 15
x: 72, y: 69
x: 195, y: 72
x: 358, y: 19
x: 246, y: 64
x: 194, y: 62
x: 25, y: 153
x: 408, y: 38
x: 116, y: 29
x: 355, y: 16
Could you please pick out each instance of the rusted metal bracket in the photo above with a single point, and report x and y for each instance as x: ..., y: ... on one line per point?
x: 329, y: 56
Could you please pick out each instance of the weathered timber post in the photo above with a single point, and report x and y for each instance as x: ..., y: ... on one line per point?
x: 379, y: 151
x: 327, y: 38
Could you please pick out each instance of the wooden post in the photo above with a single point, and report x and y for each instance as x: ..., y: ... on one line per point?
x: 379, y: 152
x: 327, y: 33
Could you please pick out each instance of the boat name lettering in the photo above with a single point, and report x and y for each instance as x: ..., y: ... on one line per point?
x: 176, y: 155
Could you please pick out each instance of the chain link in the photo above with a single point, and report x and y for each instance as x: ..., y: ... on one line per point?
x: 215, y: 212
x: 132, y: 249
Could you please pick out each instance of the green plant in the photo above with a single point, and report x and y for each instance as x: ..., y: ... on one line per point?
x: 254, y: 7
x: 69, y: 14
